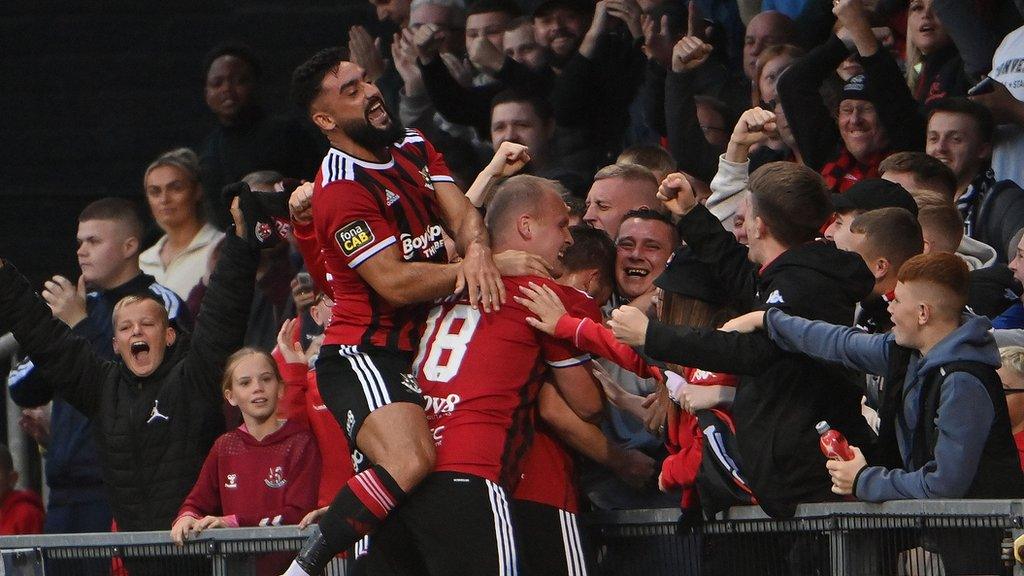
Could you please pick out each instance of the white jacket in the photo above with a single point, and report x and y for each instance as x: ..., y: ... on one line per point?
x: 727, y: 189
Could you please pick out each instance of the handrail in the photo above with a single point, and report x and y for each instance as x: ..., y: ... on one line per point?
x: 1010, y: 509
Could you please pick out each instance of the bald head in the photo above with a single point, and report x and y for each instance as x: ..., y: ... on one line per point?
x: 527, y: 213
x: 766, y: 29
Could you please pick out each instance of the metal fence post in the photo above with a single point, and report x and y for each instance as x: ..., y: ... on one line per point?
x: 22, y: 562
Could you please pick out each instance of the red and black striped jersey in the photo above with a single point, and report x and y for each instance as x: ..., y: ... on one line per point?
x: 361, y: 208
x: 480, y: 374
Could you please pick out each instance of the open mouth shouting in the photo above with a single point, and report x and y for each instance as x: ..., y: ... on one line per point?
x: 376, y: 114
x: 140, y: 351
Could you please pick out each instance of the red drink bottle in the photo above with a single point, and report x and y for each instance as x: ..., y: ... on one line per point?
x: 833, y: 443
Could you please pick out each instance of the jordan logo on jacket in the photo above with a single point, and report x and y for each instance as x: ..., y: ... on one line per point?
x: 155, y: 414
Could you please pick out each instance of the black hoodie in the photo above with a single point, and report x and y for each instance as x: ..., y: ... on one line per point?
x: 153, y: 433
x: 780, y: 396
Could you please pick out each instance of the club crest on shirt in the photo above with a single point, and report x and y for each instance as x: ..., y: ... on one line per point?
x: 427, y: 180
x: 232, y: 481
x: 353, y: 237
x: 262, y: 231
x: 275, y: 478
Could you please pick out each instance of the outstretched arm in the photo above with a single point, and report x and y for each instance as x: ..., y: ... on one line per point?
x: 224, y: 316
x: 65, y: 360
x: 477, y: 271
x: 841, y: 344
x: 584, y: 333
x: 710, y: 242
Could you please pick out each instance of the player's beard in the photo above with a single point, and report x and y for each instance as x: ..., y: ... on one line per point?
x: 365, y: 134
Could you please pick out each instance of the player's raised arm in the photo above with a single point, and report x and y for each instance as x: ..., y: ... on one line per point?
x: 480, y: 274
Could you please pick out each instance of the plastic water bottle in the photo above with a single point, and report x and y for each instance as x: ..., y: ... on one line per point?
x: 833, y: 444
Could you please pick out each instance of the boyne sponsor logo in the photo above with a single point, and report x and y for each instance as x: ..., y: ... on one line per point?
x: 426, y: 245
x: 441, y: 406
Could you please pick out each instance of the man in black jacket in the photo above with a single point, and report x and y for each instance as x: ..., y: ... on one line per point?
x: 776, y: 405
x: 156, y: 412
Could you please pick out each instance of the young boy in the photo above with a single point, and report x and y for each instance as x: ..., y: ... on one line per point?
x: 952, y: 429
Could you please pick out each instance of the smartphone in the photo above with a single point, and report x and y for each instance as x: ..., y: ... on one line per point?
x: 986, y: 85
x: 305, y: 281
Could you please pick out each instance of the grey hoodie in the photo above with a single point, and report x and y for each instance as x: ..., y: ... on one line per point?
x: 976, y: 254
x: 965, y: 408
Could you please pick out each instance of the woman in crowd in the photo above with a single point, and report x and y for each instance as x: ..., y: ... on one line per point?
x: 178, y: 259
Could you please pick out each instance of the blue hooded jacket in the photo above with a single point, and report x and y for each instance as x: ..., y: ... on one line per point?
x: 965, y: 407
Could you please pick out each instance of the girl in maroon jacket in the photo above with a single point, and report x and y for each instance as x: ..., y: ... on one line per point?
x: 265, y: 472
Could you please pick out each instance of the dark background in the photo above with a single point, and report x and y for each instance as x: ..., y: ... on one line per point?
x: 91, y: 92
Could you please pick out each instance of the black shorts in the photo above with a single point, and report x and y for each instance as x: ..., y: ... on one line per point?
x: 553, y: 544
x: 452, y: 525
x: 354, y: 382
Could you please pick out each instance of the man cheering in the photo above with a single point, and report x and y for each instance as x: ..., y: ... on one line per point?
x: 377, y: 210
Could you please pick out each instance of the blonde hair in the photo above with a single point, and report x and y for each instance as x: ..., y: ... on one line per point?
x: 1013, y: 358
x: 183, y: 159
x: 135, y: 299
x: 235, y: 359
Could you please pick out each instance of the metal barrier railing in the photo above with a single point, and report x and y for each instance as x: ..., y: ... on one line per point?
x: 905, y: 538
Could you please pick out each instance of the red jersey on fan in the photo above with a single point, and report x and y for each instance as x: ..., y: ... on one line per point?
x: 361, y: 208
x: 480, y: 374
x: 268, y: 482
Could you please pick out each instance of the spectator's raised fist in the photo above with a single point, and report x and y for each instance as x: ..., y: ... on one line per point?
x: 428, y: 39
x: 754, y: 125
x: 850, y: 13
x: 689, y: 53
x: 484, y: 55
x: 677, y: 194
x: 509, y: 159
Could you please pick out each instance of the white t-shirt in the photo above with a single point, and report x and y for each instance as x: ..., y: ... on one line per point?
x: 1008, y: 70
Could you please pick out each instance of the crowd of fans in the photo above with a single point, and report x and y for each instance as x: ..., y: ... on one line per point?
x: 666, y: 238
